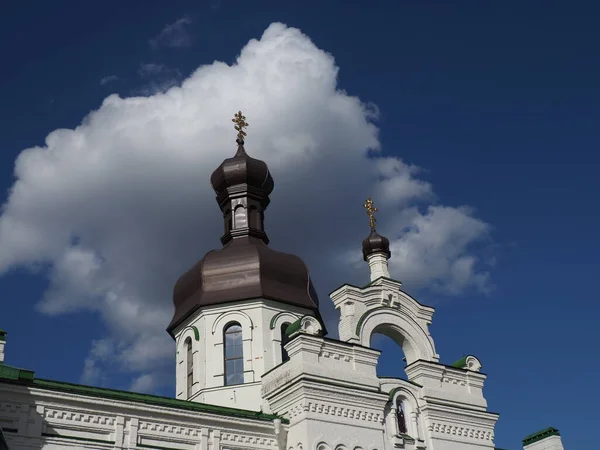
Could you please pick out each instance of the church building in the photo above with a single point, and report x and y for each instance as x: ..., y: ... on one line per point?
x: 255, y: 368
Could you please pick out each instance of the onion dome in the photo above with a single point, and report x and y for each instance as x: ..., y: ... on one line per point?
x: 242, y: 170
x: 376, y: 243
x: 246, y: 267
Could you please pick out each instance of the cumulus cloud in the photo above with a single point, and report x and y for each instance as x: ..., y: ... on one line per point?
x: 174, y: 35
x: 120, y: 206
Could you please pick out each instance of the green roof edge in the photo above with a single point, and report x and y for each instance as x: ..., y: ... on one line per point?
x: 542, y: 434
x: 460, y: 363
x: 26, y: 377
x: 293, y: 327
x: 14, y: 374
x: 152, y: 399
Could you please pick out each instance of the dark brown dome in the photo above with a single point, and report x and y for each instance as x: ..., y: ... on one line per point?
x: 375, y: 243
x: 246, y: 268
x: 242, y: 170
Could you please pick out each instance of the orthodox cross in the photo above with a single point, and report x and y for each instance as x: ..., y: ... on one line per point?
x: 371, y: 210
x: 240, y: 123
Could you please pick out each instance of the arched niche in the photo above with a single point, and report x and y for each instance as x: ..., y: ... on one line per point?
x: 404, y: 331
x: 191, y: 332
x: 187, y: 345
x: 278, y: 319
x: 277, y: 338
x: 240, y: 217
x: 404, y: 399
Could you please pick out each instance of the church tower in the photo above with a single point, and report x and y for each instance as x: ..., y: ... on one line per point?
x: 233, y: 307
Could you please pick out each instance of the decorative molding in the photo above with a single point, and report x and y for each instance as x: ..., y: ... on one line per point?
x: 79, y: 417
x: 453, y: 380
x: 281, y: 317
x: 459, y: 431
x: 336, y: 410
x: 164, y: 428
x: 335, y: 355
x: 239, y: 438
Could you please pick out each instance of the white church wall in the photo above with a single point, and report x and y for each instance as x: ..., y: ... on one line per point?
x: 35, y: 418
x: 329, y: 390
x: 260, y: 321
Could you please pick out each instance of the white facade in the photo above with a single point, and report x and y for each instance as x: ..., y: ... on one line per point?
x: 261, y: 323
x: 326, y: 395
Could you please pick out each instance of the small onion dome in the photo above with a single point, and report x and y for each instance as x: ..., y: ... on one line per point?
x: 376, y: 243
x: 242, y: 170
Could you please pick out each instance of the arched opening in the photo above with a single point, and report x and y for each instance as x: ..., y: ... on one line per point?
x: 233, y: 354
x: 189, y: 366
x: 240, y: 218
x: 284, y: 340
x: 392, y: 360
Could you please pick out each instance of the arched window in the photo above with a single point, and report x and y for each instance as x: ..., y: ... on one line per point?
x: 234, y: 358
x: 190, y: 366
x: 284, y: 340
x: 402, y: 429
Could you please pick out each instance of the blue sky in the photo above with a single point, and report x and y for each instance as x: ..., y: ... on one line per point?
x: 497, y: 103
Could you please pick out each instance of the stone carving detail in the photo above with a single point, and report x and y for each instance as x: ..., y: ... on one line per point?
x: 79, y: 417
x: 336, y: 356
x: 473, y: 363
x: 10, y: 407
x: 462, y: 431
x: 390, y: 298
x: 170, y: 429
x: 333, y: 410
x: 454, y: 381
x: 310, y: 325
x: 245, y: 439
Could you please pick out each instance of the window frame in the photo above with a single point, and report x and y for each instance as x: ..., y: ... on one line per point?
x: 239, y: 341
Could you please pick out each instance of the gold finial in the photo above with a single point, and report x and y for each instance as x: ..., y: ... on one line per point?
x: 240, y: 123
x: 371, y: 210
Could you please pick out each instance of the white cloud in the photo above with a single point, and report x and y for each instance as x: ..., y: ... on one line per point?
x: 145, y: 383
x: 121, y: 205
x: 174, y: 35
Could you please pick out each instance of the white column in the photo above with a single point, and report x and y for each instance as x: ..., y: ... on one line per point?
x: 415, y: 425
x: 393, y: 422
x: 378, y: 265
x: 134, y: 424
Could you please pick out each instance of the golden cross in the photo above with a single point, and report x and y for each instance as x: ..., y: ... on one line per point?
x: 371, y: 210
x: 240, y: 123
